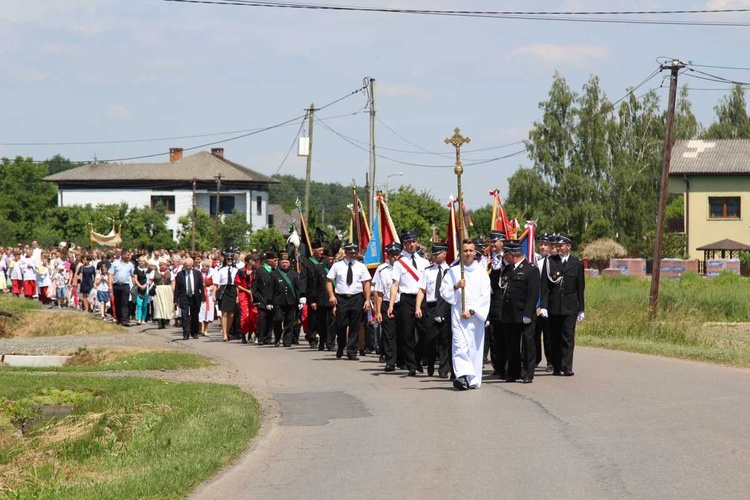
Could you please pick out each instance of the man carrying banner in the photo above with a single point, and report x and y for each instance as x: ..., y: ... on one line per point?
x: 406, y: 274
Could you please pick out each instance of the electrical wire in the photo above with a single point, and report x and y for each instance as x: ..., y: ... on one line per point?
x: 564, y: 16
x: 294, y: 141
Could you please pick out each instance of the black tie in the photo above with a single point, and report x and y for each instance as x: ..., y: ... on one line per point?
x: 438, y: 282
x: 350, y: 275
x: 414, y: 262
x: 189, y: 284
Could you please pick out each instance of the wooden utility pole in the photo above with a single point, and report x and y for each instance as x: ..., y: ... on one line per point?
x: 192, y: 221
x: 674, y: 66
x: 310, y: 113
x: 371, y: 177
x: 218, y: 207
x: 457, y: 140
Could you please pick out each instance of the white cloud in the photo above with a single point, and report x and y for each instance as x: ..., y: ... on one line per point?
x: 575, y: 55
x: 119, y: 111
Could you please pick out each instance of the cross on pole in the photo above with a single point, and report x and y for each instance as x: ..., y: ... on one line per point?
x: 457, y: 140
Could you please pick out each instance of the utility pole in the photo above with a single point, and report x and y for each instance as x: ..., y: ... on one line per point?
x: 371, y: 178
x: 218, y: 205
x: 311, y: 113
x: 674, y: 66
x: 192, y: 222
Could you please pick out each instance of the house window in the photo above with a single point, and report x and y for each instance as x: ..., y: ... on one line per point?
x: 166, y: 201
x: 270, y: 220
x: 226, y: 208
x: 258, y: 205
x: 727, y: 207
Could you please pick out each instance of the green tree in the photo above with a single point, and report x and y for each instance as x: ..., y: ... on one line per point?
x: 418, y: 212
x: 731, y: 117
x: 204, y: 230
x: 263, y: 239
x: 59, y: 163
x: 234, y: 230
x: 146, y: 227
x: 24, y: 196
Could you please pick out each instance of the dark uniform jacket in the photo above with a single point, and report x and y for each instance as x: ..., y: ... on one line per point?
x: 285, y: 293
x: 521, y: 292
x: 317, y: 292
x: 566, y: 297
x: 262, y: 287
x: 496, y: 299
x: 306, y: 275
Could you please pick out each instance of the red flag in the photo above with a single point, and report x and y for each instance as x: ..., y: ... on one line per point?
x: 451, y: 233
x: 501, y: 222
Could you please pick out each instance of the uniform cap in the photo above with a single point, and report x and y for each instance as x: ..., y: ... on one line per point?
x: 393, y: 248
x: 497, y: 235
x: 351, y: 247
x: 408, y: 235
x: 439, y: 247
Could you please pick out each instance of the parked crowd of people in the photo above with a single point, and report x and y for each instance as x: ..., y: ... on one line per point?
x: 416, y: 311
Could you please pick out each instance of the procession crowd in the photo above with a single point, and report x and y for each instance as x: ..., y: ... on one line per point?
x: 416, y: 311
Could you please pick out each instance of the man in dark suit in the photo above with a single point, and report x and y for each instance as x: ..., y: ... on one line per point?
x: 188, y: 289
x: 563, y: 287
x: 285, y: 299
x: 317, y: 299
x: 520, y: 281
x: 495, y: 333
x: 262, y: 289
x: 307, y: 282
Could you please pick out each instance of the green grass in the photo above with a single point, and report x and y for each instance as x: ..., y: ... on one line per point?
x: 135, y: 438
x: 15, y: 305
x: 618, y: 317
x: 104, y: 359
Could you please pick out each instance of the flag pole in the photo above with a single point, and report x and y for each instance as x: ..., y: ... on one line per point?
x: 457, y: 140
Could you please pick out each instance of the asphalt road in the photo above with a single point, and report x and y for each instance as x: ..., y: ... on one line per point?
x: 626, y: 425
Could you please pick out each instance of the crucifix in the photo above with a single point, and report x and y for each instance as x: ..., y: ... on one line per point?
x: 457, y: 140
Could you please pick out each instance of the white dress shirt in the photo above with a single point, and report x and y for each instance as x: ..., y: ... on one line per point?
x: 406, y: 282
x: 429, y: 279
x: 383, y: 280
x: 337, y: 274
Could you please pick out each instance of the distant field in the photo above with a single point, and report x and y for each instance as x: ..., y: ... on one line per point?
x: 700, y: 319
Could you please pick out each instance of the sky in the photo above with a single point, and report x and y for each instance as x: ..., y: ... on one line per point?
x: 116, y: 70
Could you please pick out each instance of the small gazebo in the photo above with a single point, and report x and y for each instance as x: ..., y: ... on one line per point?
x: 724, y: 249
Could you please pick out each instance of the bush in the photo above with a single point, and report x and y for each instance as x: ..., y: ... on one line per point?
x: 603, y: 249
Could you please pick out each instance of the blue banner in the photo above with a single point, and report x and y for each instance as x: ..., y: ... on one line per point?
x: 374, y: 253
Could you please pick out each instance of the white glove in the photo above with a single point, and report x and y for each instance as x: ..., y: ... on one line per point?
x: 438, y: 319
x: 269, y: 307
x: 581, y: 316
x: 526, y: 320
x: 302, y: 301
x: 486, y: 324
x: 543, y: 313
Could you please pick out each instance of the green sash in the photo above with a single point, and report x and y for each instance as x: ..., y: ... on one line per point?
x: 288, y: 282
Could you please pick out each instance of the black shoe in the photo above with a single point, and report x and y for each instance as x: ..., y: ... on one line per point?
x: 276, y: 344
x: 185, y: 338
x: 389, y: 368
x: 461, y: 383
x: 287, y: 345
x: 339, y: 354
x: 510, y: 379
x: 527, y: 380
x: 244, y: 340
x: 126, y: 325
x: 352, y: 357
x: 549, y: 367
x: 557, y: 373
x: 195, y: 337
x: 314, y: 344
x: 568, y: 373
x: 420, y: 369
x: 331, y: 348
x: 430, y: 371
x: 362, y: 353
x: 442, y: 375
x: 412, y: 373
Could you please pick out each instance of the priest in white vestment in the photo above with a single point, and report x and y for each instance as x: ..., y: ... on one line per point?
x: 467, y: 326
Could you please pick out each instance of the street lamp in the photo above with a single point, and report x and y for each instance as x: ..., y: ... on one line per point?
x: 388, y: 182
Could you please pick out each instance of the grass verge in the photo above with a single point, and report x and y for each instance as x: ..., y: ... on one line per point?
x: 617, y: 317
x: 122, y: 359
x: 24, y: 318
x: 126, y: 438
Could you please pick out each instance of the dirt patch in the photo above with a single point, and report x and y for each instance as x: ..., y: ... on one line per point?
x: 53, y: 324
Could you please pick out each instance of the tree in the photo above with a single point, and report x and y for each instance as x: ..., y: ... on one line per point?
x: 263, y: 239
x: 24, y: 196
x: 418, y: 212
x: 731, y: 115
x: 204, y: 230
x: 59, y: 163
x: 235, y: 230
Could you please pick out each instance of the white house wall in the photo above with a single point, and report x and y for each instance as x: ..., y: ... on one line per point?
x: 183, y: 202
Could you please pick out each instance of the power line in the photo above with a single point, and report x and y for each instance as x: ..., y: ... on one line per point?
x: 564, y: 16
x: 253, y: 132
x: 739, y: 68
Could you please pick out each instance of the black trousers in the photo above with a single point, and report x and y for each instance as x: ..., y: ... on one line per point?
x: 122, y: 308
x: 499, y: 347
x: 325, y: 327
x: 189, y: 309
x: 312, y: 324
x: 437, y: 341
x: 348, y: 322
x: 562, y: 331
x: 541, y: 339
x: 388, y: 346
x: 283, y: 325
x: 521, y: 350
x: 265, y: 324
x: 406, y: 326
